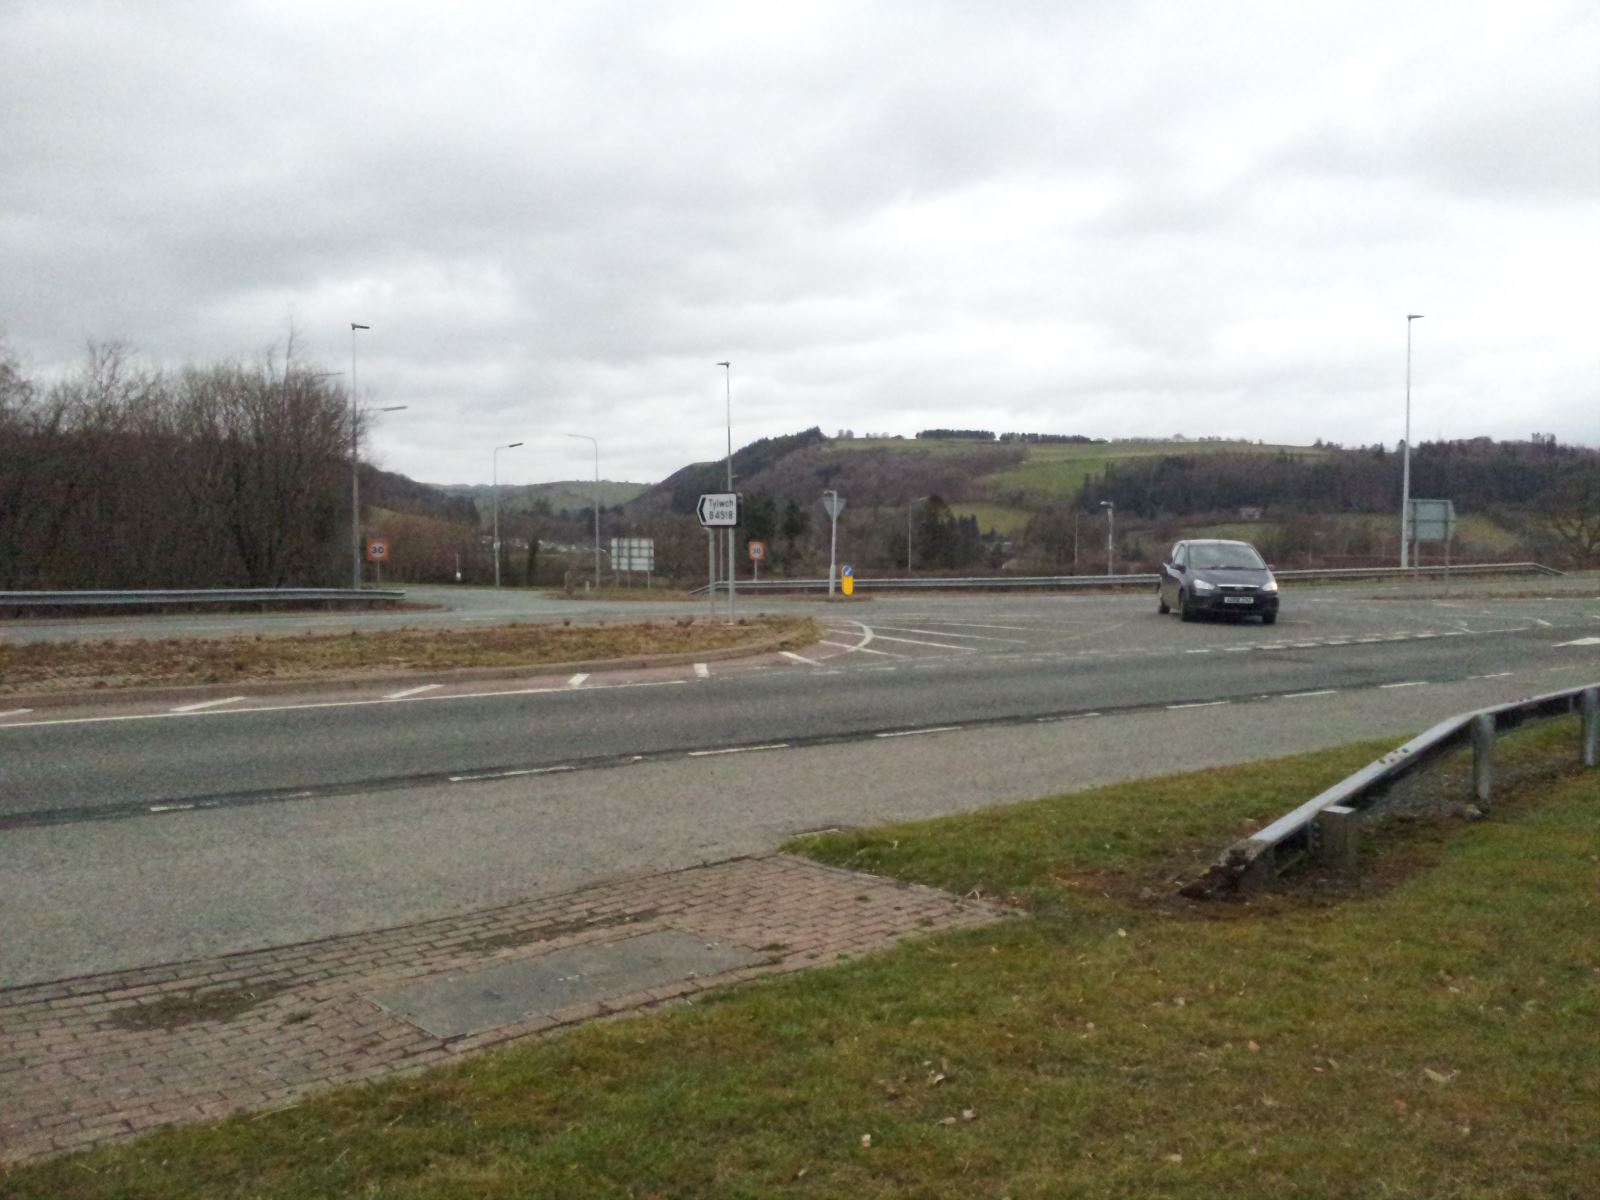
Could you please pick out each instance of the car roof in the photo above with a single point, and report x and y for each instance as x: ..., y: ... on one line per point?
x: 1215, y: 542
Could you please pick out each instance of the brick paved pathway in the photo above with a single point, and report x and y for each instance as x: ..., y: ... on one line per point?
x: 97, y: 1059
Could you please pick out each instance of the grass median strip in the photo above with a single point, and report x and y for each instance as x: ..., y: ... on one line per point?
x: 43, y: 667
x: 1425, y: 1031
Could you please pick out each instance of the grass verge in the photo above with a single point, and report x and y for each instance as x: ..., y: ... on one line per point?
x: 1432, y: 1036
x: 43, y: 667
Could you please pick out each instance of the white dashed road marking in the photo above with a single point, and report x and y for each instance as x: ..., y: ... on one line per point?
x: 703, y: 671
x: 577, y: 679
x: 1407, y: 683
x: 1308, y: 695
x: 189, y: 708
x: 738, y: 750
x: 508, y: 774
x: 16, y: 712
x: 863, y: 649
x: 914, y: 642
x: 416, y: 691
x: 977, y: 637
x: 918, y: 732
x: 1201, y: 704
x: 799, y: 658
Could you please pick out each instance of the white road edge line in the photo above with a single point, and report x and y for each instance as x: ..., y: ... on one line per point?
x: 918, y: 732
x: 416, y: 691
x: 1407, y: 683
x: 189, y: 708
x: 577, y: 679
x: 738, y: 750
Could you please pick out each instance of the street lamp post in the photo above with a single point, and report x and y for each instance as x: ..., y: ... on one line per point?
x: 494, y: 489
x: 596, y: 443
x: 910, y: 511
x: 355, y: 467
x: 1111, y: 535
x: 727, y: 379
x: 1405, y: 471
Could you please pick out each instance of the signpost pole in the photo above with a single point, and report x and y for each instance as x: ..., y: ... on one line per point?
x: 711, y: 570
x: 831, y: 502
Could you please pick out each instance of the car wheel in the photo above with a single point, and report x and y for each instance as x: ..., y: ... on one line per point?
x: 1161, y: 601
x: 1185, y: 613
x: 1269, y: 618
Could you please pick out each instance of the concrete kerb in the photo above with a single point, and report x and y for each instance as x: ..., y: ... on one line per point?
x: 273, y: 687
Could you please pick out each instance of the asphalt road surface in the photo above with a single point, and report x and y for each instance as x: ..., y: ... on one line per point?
x: 140, y: 831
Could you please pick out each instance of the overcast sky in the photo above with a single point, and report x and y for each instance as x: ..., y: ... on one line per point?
x: 1118, y: 219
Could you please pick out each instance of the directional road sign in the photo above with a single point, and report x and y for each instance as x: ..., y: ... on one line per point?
x: 719, y: 510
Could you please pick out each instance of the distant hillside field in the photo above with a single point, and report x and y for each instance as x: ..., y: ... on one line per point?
x: 1056, y: 472
x: 999, y: 482
x: 569, y: 494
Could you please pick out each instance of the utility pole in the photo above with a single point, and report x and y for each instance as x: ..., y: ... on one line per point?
x: 1405, y: 476
x: 727, y: 377
x: 355, y: 464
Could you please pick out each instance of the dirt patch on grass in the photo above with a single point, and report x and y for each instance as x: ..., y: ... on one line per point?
x: 1397, y: 844
x: 46, y: 667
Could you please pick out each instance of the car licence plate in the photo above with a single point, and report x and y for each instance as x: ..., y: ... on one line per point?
x: 1238, y: 599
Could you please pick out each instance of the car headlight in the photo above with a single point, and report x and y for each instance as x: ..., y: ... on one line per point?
x: 1271, y: 585
x: 1202, y: 585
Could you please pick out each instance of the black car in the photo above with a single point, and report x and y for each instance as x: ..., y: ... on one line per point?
x: 1208, y: 575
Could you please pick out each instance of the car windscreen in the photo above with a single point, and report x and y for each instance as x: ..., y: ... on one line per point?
x: 1225, y: 555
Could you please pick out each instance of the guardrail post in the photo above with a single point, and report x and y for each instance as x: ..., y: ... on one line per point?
x: 1483, y: 755
x: 1591, y: 727
x: 1338, y: 827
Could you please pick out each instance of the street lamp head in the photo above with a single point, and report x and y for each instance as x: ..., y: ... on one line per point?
x: 1108, y: 504
x: 725, y: 364
x: 1413, y: 316
x: 354, y: 326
